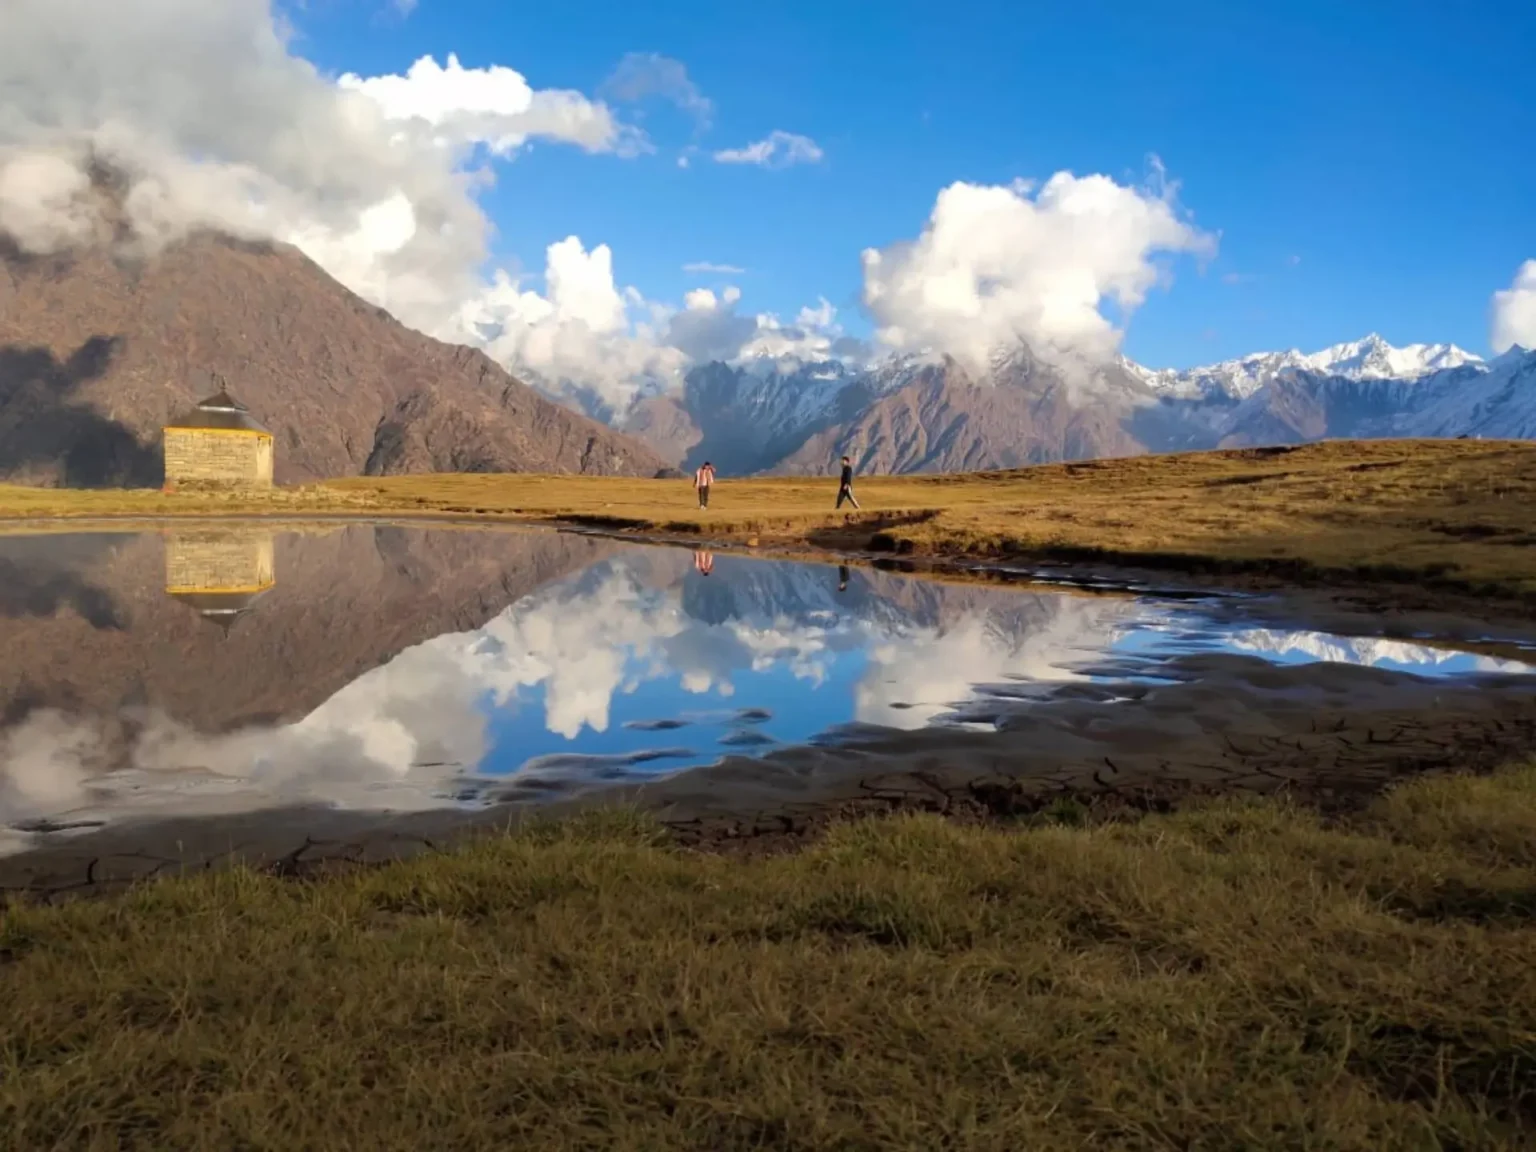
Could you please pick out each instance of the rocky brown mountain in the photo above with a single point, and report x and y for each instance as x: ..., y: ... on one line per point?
x: 909, y: 413
x: 942, y: 419
x: 98, y: 351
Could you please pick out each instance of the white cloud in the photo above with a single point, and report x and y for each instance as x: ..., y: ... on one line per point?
x: 776, y: 150
x: 813, y: 335
x: 642, y: 76
x: 211, y: 122
x: 45, y: 201
x: 709, y: 327
x: 997, y: 264
x: 705, y: 268
x: 1514, y: 311
x: 493, y: 106
x: 584, y: 336
x: 580, y: 330
x: 403, y: 7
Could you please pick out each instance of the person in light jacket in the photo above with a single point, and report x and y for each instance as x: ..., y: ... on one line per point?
x: 702, y: 479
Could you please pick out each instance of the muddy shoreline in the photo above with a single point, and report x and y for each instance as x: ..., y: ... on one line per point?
x: 1331, y: 736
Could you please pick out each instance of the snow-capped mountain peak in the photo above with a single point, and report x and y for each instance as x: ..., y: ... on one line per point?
x: 1371, y: 358
x: 1374, y: 359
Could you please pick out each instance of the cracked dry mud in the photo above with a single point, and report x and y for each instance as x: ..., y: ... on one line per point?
x: 1330, y: 735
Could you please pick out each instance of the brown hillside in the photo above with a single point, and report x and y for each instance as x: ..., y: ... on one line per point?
x: 946, y: 422
x: 96, y: 353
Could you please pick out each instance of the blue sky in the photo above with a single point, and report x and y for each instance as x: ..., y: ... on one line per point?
x: 1367, y: 165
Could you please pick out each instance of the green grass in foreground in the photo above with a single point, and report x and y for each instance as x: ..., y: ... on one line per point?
x: 1236, y: 976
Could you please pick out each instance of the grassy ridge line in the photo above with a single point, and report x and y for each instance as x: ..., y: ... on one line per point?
x: 1235, y: 975
x: 1452, y: 514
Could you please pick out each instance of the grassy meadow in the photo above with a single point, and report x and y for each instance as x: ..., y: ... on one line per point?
x: 1454, y: 514
x: 1459, y: 514
x: 1236, y: 975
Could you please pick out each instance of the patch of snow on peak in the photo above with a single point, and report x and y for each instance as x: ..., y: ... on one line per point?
x: 1374, y: 359
x: 1369, y: 359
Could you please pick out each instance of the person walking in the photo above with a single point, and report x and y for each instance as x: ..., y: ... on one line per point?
x: 845, y: 484
x: 702, y: 479
x: 703, y: 562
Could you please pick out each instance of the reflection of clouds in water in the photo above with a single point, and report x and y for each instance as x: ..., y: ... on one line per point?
x: 47, y: 759
x: 931, y: 669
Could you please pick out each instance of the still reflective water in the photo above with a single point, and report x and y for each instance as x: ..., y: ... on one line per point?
x: 390, y: 667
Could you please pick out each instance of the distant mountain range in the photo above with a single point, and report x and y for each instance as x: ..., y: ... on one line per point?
x: 930, y: 413
x: 98, y: 351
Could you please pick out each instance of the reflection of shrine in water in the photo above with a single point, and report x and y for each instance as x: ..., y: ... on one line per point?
x: 219, y: 574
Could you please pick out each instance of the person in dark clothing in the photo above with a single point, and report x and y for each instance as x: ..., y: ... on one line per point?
x: 845, y: 484
x: 842, y: 577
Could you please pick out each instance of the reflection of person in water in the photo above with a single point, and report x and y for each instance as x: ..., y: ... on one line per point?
x: 842, y: 577
x: 704, y: 562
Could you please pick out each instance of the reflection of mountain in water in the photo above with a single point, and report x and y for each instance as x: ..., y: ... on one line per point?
x: 1375, y: 651
x: 108, y: 635
x: 305, y: 701
x: 102, y: 668
x: 389, y: 663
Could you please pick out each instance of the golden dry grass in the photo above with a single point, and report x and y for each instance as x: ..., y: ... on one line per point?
x: 1458, y: 514
x: 1233, y: 976
x: 1453, y: 514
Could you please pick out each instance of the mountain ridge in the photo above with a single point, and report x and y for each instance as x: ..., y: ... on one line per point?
x: 98, y: 350
x: 929, y: 413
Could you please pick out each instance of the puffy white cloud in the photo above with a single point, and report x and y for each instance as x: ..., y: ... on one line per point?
x: 208, y: 120
x: 45, y: 201
x: 493, y: 106
x: 641, y: 76
x: 587, y: 338
x: 710, y: 328
x: 995, y: 264
x: 778, y: 149
x: 1514, y: 311
x: 581, y: 330
x: 814, y: 334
